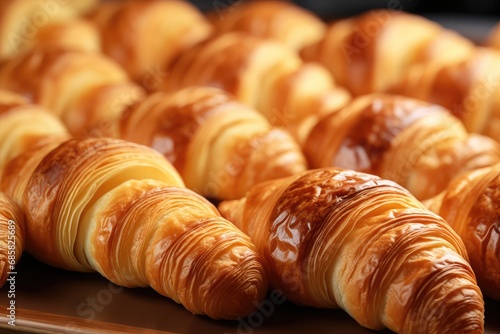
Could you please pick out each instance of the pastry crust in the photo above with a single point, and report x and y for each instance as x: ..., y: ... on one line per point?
x: 219, y: 146
x: 419, y: 145
x: 333, y: 237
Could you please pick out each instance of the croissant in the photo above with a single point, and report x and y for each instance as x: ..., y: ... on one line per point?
x: 23, y: 126
x: 264, y: 74
x: 11, y: 237
x: 279, y: 20
x: 121, y: 209
x: 339, y: 238
x: 85, y: 90
x: 419, y: 145
x: 145, y: 36
x: 375, y: 50
x: 27, y: 24
x: 219, y: 146
x: 470, y: 204
x: 468, y: 88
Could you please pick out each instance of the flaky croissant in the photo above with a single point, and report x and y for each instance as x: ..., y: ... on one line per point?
x: 220, y: 147
x: 28, y: 24
x: 373, y: 51
x: 23, y: 126
x: 264, y: 74
x: 121, y: 209
x: 419, y: 145
x: 145, y: 36
x: 471, y: 205
x: 469, y: 89
x: 11, y: 236
x: 279, y: 20
x: 85, y: 90
x: 339, y: 238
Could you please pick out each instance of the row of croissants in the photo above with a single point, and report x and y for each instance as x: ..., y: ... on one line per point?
x: 212, y: 157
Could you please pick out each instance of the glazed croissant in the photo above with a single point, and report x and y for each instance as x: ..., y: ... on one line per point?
x: 11, y: 236
x: 28, y: 24
x: 469, y: 89
x: 279, y: 20
x: 375, y: 50
x: 263, y: 74
x: 220, y: 147
x: 471, y: 205
x: 419, y: 145
x: 121, y: 209
x: 24, y: 126
x: 339, y: 238
x: 85, y: 90
x: 145, y: 36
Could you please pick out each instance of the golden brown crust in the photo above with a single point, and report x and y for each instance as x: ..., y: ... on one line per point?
x: 55, y: 78
x: 220, y: 146
x: 28, y: 24
x: 279, y: 20
x: 470, y: 205
x: 335, y: 237
x: 263, y: 74
x: 417, y: 144
x: 468, y: 88
x: 106, y: 205
x: 145, y: 36
x: 23, y: 126
x: 375, y: 50
x: 11, y: 236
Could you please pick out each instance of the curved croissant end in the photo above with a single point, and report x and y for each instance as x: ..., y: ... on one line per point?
x: 121, y: 209
x: 334, y: 237
x: 471, y: 205
x: 414, y: 143
x: 220, y: 146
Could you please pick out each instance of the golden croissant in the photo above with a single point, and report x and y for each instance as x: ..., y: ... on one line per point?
x: 220, y: 146
x: 121, y: 209
x: 85, y: 90
x: 471, y: 205
x: 145, y: 36
x: 373, y: 51
x: 264, y: 74
x: 28, y: 24
x: 469, y: 89
x: 24, y: 126
x: 339, y: 238
x: 279, y: 20
x: 11, y: 237
x: 419, y: 145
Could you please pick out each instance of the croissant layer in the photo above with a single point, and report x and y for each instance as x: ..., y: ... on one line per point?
x: 333, y: 237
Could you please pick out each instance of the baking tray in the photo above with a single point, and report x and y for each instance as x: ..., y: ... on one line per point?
x: 50, y: 300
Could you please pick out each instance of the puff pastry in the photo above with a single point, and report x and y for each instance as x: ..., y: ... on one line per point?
x: 339, y: 238
x: 145, y: 36
x: 471, y: 205
x: 419, y: 145
x: 264, y: 74
x: 373, y: 51
x: 121, y: 209
x: 220, y: 146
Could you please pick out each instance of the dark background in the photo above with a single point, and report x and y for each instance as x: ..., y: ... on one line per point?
x: 473, y: 18
x: 330, y: 9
